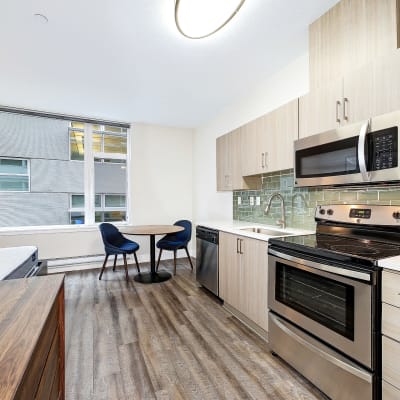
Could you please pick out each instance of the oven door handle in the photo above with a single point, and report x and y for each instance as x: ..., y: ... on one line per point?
x: 323, y: 267
x: 351, y: 368
x: 361, y: 152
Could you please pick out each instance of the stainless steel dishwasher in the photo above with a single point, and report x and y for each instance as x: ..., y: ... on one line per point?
x: 207, y: 258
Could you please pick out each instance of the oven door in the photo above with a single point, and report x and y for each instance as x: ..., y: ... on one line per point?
x: 336, y: 309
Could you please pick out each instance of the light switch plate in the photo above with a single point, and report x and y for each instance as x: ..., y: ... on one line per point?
x: 239, y: 201
x: 258, y: 201
x: 251, y: 200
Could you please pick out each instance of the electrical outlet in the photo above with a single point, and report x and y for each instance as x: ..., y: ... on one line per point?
x: 251, y: 200
x: 258, y: 201
x: 239, y: 201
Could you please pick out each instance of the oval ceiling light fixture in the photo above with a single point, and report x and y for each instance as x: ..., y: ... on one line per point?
x: 197, y: 19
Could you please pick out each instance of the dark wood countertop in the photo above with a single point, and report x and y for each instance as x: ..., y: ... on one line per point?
x: 25, y: 305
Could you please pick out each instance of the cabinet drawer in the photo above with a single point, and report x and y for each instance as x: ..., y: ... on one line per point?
x: 391, y: 321
x: 390, y: 361
x: 391, y: 288
x: 389, y: 392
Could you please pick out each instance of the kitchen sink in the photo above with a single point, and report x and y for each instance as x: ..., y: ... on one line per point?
x: 265, y: 231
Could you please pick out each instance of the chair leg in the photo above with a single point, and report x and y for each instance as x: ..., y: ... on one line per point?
x: 190, y: 260
x: 126, y: 268
x: 159, y: 258
x: 115, y: 261
x: 104, y: 267
x: 174, y: 262
x: 137, y: 263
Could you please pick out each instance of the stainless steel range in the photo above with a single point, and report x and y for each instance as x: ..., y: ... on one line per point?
x: 324, y: 297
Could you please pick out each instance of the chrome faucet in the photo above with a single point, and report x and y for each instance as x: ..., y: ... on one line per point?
x: 281, y: 221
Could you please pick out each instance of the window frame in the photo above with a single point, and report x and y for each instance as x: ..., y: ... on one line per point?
x: 28, y: 174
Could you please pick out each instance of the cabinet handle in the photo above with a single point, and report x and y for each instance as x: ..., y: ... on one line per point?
x: 338, y: 104
x: 240, y: 251
x: 262, y: 160
x: 345, y: 116
x: 266, y: 159
x: 237, y: 245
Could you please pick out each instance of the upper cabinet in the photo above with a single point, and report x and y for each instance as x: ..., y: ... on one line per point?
x: 267, y: 142
x: 370, y: 90
x: 261, y: 146
x: 350, y: 35
x: 229, y: 165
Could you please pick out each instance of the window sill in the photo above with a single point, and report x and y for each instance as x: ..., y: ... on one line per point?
x: 33, y: 230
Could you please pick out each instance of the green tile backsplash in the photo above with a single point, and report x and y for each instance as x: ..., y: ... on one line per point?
x: 300, y: 208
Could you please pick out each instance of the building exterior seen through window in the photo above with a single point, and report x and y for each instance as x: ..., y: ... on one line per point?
x: 14, y: 175
x: 59, y: 172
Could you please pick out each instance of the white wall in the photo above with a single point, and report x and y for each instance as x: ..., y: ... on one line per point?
x: 287, y: 84
x: 160, y: 189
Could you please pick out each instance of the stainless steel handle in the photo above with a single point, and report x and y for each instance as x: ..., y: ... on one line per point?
x: 323, y: 267
x: 345, y: 116
x: 240, y: 247
x: 338, y: 104
x: 262, y: 160
x: 351, y: 368
x: 237, y: 245
x: 266, y: 159
x: 361, y: 151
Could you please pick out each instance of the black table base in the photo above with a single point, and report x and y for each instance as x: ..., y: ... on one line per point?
x: 153, y: 277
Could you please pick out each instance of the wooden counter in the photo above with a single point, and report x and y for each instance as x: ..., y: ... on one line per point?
x: 32, y: 338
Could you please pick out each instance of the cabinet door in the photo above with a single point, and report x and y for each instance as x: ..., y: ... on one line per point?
x: 254, y: 297
x: 319, y: 110
x: 281, y: 130
x: 224, y: 163
x: 327, y: 46
x: 350, y: 35
x: 229, y: 269
x: 253, y: 152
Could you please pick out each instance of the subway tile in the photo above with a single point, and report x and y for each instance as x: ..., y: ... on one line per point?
x: 389, y: 195
x: 370, y: 195
x: 348, y: 196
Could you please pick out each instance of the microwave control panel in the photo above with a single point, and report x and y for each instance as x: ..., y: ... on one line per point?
x: 383, y: 149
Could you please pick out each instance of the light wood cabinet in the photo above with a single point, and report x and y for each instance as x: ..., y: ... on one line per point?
x: 389, y: 392
x: 229, y: 163
x: 267, y: 142
x: 350, y: 35
x: 371, y: 90
x: 391, y: 335
x: 243, y: 276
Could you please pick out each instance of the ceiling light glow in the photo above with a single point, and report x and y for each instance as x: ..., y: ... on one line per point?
x: 197, y: 19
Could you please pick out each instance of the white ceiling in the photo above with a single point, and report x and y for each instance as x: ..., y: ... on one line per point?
x: 125, y: 60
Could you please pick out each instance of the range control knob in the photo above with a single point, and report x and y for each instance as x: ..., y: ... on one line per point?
x: 330, y: 212
x: 396, y: 215
x: 322, y: 211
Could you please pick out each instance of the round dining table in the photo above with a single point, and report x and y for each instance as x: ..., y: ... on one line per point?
x: 152, y: 231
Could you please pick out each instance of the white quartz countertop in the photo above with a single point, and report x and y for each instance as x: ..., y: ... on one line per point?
x: 12, y: 257
x: 236, y: 227
x: 392, y: 263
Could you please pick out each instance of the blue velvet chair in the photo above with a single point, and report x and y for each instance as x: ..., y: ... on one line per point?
x: 115, y: 244
x: 176, y: 241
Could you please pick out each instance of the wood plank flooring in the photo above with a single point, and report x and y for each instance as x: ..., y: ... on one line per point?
x: 169, y: 341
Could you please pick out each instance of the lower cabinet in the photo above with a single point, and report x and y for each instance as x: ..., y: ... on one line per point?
x: 243, y: 276
x: 391, y: 336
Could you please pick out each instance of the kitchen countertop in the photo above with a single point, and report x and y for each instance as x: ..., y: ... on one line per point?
x: 391, y: 263
x: 236, y: 227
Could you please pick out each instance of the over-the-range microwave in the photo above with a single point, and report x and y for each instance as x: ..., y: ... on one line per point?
x: 361, y: 153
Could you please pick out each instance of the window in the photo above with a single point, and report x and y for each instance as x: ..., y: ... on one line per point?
x: 55, y: 171
x: 108, y: 208
x: 14, y: 175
